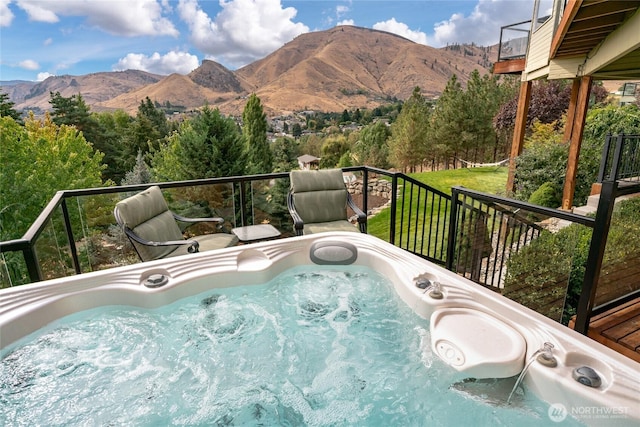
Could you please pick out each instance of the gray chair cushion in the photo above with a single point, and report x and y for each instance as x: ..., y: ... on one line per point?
x: 319, y: 196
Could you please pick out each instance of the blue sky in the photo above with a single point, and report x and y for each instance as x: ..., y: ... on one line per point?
x: 40, y: 38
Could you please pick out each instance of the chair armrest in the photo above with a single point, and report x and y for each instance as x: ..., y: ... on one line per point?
x: 298, y: 223
x: 362, y: 217
x: 181, y: 218
x: 194, y: 246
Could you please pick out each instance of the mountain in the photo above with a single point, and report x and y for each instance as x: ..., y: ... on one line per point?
x: 345, y: 67
x: 95, y: 88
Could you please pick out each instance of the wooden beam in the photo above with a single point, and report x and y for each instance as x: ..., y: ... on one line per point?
x: 577, y: 128
x: 571, y: 112
x: 511, y: 66
x: 524, y: 99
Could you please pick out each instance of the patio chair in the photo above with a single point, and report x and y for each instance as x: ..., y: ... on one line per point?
x: 318, y: 201
x: 152, y: 228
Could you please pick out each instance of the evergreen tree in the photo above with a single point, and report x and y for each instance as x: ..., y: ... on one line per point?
x: 254, y: 131
x: 115, y: 126
x: 146, y: 134
x: 6, y: 108
x: 447, y: 121
x: 296, y: 130
x: 207, y: 146
x: 408, y: 142
x: 140, y: 174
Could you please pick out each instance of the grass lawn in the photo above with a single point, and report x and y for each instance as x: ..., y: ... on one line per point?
x: 492, y: 180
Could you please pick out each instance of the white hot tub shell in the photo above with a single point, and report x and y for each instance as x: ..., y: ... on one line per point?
x: 477, y: 332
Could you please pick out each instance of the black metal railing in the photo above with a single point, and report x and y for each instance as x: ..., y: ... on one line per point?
x: 471, y: 233
x: 620, y: 159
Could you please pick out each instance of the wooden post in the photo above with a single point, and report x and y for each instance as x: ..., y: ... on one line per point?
x: 524, y: 98
x: 577, y: 128
x: 571, y: 111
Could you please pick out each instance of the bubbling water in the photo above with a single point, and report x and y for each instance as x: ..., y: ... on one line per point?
x: 313, y: 347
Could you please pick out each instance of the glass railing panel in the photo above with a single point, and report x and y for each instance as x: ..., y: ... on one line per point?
x: 514, y: 40
x: 13, y: 270
x: 52, y: 248
x: 620, y: 272
x: 533, y: 259
x: 268, y: 204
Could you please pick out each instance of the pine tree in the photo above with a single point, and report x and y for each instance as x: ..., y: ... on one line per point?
x: 254, y: 132
x: 408, y: 142
x: 207, y: 146
x: 6, y: 108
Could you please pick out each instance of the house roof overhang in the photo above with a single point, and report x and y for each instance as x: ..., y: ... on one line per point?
x: 601, y: 37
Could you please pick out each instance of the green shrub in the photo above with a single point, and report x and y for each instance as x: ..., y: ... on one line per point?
x: 547, y: 195
x: 540, y: 274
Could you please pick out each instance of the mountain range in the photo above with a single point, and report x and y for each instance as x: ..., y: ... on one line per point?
x: 345, y: 67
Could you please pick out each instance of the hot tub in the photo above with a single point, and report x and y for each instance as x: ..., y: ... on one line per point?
x: 474, y: 333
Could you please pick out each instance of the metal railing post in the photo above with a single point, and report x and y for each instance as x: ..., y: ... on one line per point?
x: 33, y: 265
x: 617, y: 158
x: 605, y: 158
x: 394, y: 203
x: 451, y: 237
x: 596, y: 254
x: 365, y: 190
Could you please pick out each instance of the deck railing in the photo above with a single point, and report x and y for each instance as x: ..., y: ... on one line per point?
x: 620, y: 159
x: 471, y: 233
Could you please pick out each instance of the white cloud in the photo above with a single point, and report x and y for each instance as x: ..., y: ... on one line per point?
x: 29, y: 64
x: 43, y: 76
x: 172, y: 62
x: 482, y: 26
x: 6, y: 16
x: 401, y: 29
x: 347, y: 22
x: 48, y: 42
x: 341, y: 10
x: 245, y: 30
x: 124, y: 18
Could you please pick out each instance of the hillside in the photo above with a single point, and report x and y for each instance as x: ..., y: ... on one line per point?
x: 95, y: 88
x: 342, y: 68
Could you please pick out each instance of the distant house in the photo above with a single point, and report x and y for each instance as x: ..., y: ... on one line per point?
x: 307, y: 162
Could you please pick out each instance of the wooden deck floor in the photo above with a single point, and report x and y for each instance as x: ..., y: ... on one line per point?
x: 618, y: 329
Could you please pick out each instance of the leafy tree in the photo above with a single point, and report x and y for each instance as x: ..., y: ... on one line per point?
x: 38, y: 160
x: 254, y: 131
x: 6, y: 108
x: 549, y: 102
x: 408, y: 141
x: 207, y: 146
x: 334, y: 147
x: 372, y: 148
x: 544, y: 158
